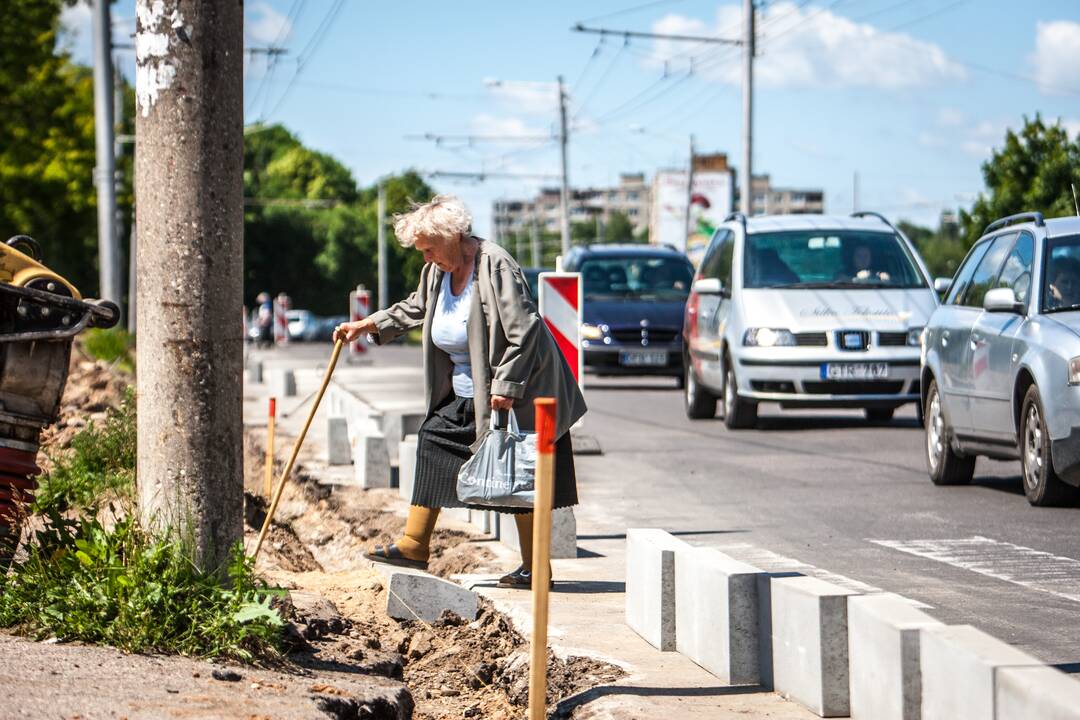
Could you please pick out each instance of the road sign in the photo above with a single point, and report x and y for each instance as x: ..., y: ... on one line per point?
x: 560, y: 306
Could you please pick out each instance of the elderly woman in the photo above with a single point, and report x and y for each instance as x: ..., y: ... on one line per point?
x: 485, y: 348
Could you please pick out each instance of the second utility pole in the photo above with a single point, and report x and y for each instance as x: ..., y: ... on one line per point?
x: 746, y: 196
x: 105, y: 171
x: 384, y: 299
x: 565, y: 181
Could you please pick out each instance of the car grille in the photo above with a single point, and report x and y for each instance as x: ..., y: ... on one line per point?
x: 862, y: 337
x: 773, y: 386
x: 634, y: 334
x: 811, y: 339
x: 892, y: 339
x: 853, y: 387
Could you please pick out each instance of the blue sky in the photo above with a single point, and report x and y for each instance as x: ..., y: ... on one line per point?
x: 911, y: 94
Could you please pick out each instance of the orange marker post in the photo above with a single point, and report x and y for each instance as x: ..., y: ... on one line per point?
x: 541, y: 568
x: 268, y: 483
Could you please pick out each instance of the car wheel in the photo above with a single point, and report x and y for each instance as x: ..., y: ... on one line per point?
x: 738, y: 413
x: 879, y: 415
x: 1042, y: 486
x: 945, y: 466
x: 700, y: 403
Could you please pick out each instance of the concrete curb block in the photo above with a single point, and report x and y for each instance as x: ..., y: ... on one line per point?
x: 563, y: 533
x: 958, y: 665
x: 407, y: 466
x: 396, y: 425
x: 716, y: 614
x: 338, y: 448
x: 282, y: 383
x: 427, y: 596
x: 650, y: 585
x: 1024, y: 693
x: 371, y: 464
x: 810, y: 644
x: 883, y: 652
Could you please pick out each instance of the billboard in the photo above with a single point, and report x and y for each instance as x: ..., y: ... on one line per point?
x: 710, y: 202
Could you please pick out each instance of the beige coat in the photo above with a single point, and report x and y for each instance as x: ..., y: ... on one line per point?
x: 512, y: 351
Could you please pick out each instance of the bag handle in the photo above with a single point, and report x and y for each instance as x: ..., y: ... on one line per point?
x: 511, y: 424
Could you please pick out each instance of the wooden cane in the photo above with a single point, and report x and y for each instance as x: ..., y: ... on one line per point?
x: 541, y: 564
x: 268, y: 482
x: 296, y: 449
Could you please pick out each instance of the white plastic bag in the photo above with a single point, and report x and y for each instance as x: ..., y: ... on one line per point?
x: 502, y: 473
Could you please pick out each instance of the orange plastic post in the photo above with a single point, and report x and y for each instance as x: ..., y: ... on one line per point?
x: 541, y: 568
x: 268, y: 482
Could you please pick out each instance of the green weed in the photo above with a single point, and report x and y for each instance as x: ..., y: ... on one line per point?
x: 113, y: 345
x: 100, y: 463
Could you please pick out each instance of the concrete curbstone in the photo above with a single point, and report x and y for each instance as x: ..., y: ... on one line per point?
x: 371, y: 464
x: 427, y: 596
x: 883, y: 654
x: 958, y: 664
x: 810, y: 643
x: 563, y: 533
x: 338, y: 448
x: 1024, y: 693
x: 407, y: 466
x: 255, y: 372
x: 650, y: 585
x: 395, y: 425
x: 282, y: 383
x: 716, y: 614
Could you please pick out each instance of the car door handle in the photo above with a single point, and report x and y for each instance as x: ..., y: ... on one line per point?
x: 944, y: 338
x: 977, y: 340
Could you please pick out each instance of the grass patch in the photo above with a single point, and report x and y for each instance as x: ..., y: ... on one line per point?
x: 99, y: 465
x: 117, y: 586
x: 113, y: 345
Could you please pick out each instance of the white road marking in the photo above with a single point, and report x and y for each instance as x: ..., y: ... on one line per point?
x: 1017, y: 564
x: 772, y: 562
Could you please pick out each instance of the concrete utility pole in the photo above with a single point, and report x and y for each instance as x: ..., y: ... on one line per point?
x: 189, y: 213
x: 746, y: 196
x: 384, y: 279
x: 689, y: 187
x: 565, y: 194
x: 537, y: 259
x: 855, y: 192
x: 105, y: 171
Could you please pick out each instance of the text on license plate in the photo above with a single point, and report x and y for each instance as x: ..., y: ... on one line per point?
x: 643, y: 358
x: 854, y: 371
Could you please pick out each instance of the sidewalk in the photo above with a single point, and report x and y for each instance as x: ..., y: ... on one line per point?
x: 588, y: 600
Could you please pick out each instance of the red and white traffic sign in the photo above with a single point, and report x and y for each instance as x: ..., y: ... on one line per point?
x: 281, y: 320
x: 359, y: 308
x: 560, y: 306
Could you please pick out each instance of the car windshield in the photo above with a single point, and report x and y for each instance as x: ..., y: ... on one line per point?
x: 1061, y: 281
x: 637, y: 278
x: 829, y: 259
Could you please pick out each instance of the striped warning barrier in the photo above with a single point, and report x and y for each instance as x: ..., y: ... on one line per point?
x: 560, y: 306
x: 281, y: 320
x: 359, y: 308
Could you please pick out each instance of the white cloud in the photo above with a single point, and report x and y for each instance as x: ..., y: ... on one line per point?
x: 979, y: 141
x: 1057, y: 55
x: 809, y: 47
x: 485, y: 124
x: 75, y: 32
x: 264, y: 25
x: 533, y: 98
x: 951, y: 117
x: 1072, y: 126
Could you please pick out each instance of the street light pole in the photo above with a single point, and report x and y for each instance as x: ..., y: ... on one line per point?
x: 105, y: 171
x: 689, y: 190
x: 746, y: 197
x: 565, y: 194
x: 384, y: 279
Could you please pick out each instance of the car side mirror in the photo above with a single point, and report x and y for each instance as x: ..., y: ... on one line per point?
x: 708, y: 286
x: 941, y: 285
x: 1002, y: 300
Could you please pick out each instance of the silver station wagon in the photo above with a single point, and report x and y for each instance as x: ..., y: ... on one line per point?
x: 1001, y: 359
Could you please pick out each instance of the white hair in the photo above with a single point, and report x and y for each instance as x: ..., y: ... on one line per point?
x: 445, y: 216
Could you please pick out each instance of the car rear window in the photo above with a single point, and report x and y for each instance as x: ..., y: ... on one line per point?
x: 636, y: 278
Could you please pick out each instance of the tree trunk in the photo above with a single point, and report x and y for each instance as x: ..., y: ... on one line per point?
x: 189, y: 211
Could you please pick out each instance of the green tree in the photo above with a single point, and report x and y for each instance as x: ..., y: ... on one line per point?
x: 47, y: 142
x: 618, y: 229
x: 1031, y: 172
x: 941, y: 249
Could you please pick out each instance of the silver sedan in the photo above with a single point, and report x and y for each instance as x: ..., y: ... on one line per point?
x: 1000, y: 362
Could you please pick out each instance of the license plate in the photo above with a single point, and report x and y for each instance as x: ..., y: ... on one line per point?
x: 643, y: 358
x: 854, y: 371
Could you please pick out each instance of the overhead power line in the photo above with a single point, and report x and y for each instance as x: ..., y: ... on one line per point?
x: 628, y: 10
x: 657, y: 36
x: 439, y: 139
x: 481, y: 176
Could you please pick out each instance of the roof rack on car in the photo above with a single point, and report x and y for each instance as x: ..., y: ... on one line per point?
x: 1036, y: 217
x: 871, y: 213
x: 737, y: 216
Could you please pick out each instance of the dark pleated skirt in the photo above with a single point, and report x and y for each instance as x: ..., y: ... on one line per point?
x: 443, y: 447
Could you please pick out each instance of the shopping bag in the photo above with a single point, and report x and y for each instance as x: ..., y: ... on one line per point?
x: 502, y: 472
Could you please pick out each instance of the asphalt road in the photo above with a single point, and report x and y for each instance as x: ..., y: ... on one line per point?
x: 828, y: 489
x: 828, y: 494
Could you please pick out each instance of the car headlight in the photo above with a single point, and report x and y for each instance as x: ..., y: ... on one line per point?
x: 768, y: 337
x: 1074, y: 371
x: 592, y: 332
x: 914, y: 337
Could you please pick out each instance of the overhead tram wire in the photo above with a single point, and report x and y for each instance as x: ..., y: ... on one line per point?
x: 802, y: 24
x: 309, y: 51
x: 588, y: 66
x: 932, y: 14
x: 626, y: 11
x: 599, y: 82
x: 295, y: 11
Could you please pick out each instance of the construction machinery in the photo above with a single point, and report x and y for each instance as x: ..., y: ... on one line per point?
x: 40, y: 315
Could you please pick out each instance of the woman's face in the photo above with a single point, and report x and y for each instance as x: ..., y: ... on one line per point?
x: 444, y: 252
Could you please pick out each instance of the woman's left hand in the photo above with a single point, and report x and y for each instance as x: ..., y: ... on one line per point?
x: 501, y: 402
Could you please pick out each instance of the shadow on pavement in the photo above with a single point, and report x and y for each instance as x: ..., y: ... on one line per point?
x: 826, y: 422
x: 597, y: 386
x: 1013, y: 485
x: 588, y: 587
x: 622, y: 536
x: 568, y: 705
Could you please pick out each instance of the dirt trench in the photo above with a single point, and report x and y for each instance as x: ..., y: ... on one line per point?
x: 454, y: 668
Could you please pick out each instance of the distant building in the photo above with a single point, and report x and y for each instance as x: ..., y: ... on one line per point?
x: 770, y: 200
x: 630, y: 197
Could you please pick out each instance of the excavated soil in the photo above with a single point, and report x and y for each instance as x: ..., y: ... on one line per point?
x: 454, y: 668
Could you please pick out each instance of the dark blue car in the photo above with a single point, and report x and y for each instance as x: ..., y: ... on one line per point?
x: 632, y: 317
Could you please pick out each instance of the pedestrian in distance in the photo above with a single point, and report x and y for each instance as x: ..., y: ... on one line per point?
x: 264, y: 320
x: 486, y: 349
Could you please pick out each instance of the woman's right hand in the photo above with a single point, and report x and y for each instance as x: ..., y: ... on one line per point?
x: 347, y: 332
